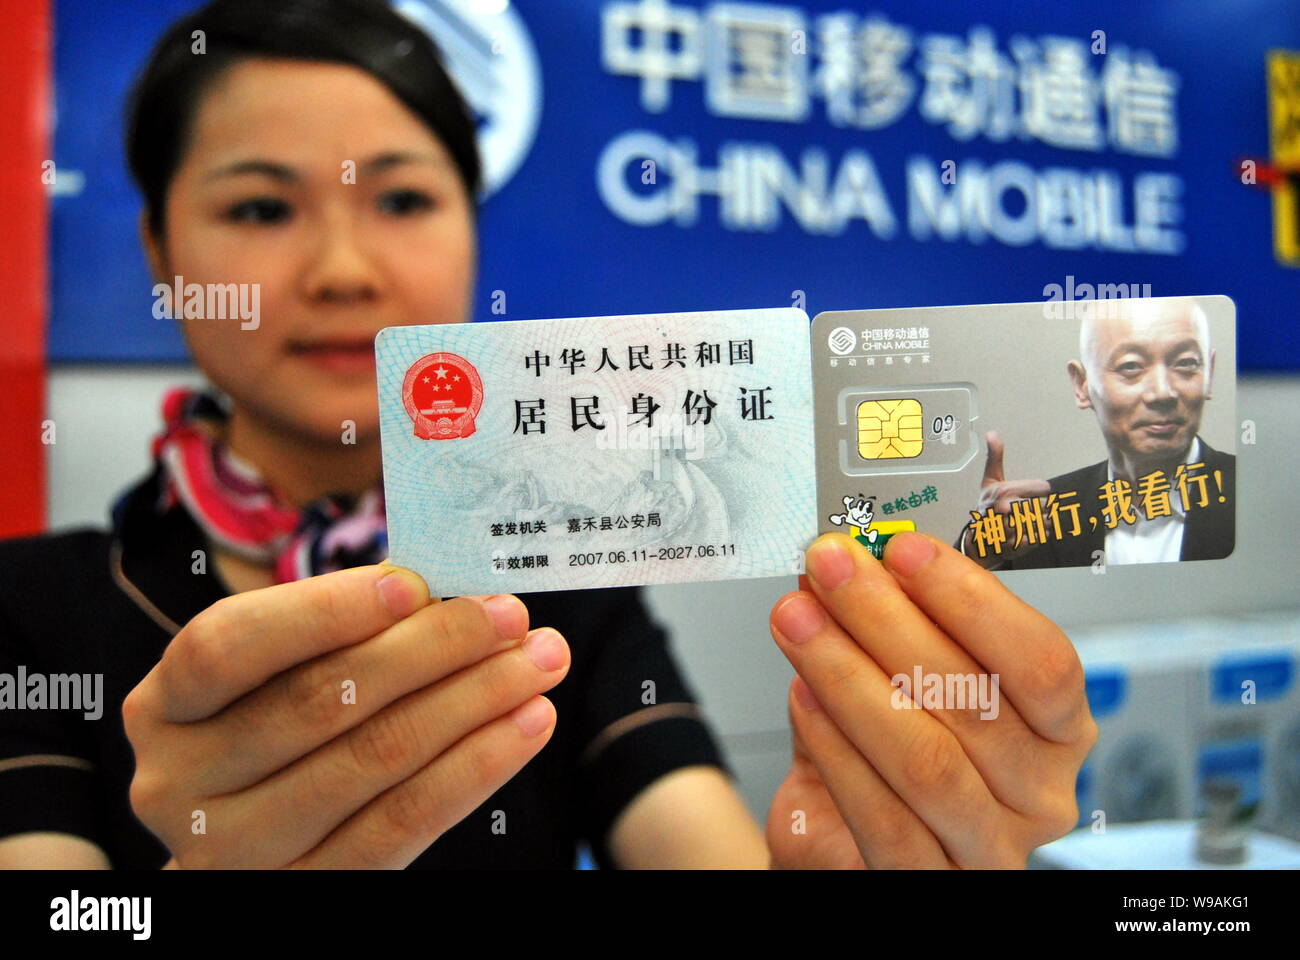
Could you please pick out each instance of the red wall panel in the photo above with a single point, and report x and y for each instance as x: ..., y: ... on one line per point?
x: 24, y: 113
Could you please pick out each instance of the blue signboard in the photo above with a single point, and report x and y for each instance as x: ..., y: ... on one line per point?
x: 674, y: 155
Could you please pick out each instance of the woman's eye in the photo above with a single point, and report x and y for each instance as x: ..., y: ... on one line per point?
x: 404, y: 202
x: 260, y: 210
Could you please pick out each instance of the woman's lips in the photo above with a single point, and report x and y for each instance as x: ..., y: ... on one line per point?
x: 338, y: 356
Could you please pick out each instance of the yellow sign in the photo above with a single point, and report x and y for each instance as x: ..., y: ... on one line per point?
x: 890, y: 429
x: 1284, y: 139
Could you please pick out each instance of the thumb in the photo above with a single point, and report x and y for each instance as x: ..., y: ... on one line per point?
x: 993, y: 472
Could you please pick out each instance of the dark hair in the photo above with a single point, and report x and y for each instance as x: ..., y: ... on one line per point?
x: 367, y: 34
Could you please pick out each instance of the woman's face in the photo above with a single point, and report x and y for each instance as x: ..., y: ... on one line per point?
x: 314, y: 182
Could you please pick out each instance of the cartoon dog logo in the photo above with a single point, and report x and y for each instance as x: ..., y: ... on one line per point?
x: 859, y: 511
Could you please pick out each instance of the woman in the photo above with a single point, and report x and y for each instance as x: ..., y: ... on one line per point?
x: 274, y: 696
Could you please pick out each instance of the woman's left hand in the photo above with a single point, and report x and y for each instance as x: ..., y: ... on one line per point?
x: 882, y: 778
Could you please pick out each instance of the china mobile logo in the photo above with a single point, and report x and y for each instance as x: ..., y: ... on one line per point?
x: 842, y: 341
x: 946, y: 691
x: 443, y: 394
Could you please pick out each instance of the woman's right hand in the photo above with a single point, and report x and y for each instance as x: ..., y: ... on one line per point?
x: 339, y: 721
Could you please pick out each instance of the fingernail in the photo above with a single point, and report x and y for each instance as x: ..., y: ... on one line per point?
x: 546, y: 649
x: 803, y: 693
x: 829, y: 563
x: 402, y: 592
x: 799, y: 618
x: 907, y: 553
x: 508, y: 613
x: 533, y: 717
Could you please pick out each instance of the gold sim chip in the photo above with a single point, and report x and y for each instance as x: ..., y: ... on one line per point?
x: 889, y: 429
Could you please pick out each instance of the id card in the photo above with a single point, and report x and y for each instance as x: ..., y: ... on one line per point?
x: 1052, y: 434
x: 539, y: 455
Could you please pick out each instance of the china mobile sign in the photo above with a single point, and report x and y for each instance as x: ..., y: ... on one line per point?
x: 488, y: 50
x: 777, y: 63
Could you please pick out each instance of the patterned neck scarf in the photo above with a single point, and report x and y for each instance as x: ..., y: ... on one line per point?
x: 240, y: 512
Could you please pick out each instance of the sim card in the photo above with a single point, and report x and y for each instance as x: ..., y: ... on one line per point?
x: 904, y: 401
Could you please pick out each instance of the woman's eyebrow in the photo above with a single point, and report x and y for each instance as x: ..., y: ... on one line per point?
x: 379, y: 163
x: 269, y: 168
x: 394, y: 158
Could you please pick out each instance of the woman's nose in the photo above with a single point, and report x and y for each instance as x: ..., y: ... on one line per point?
x: 340, y: 269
